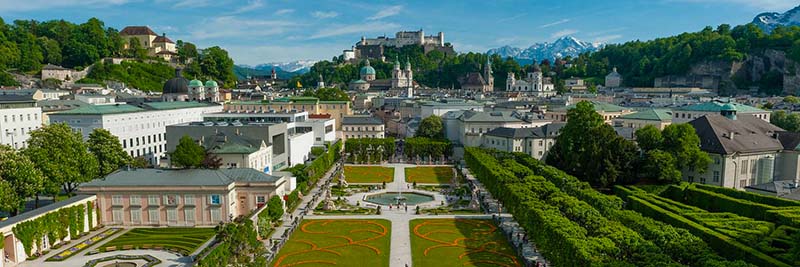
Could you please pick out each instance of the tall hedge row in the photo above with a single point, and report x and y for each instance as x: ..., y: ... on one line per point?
x: 681, y: 245
x: 754, y: 197
x: 569, y: 232
x: 56, y: 225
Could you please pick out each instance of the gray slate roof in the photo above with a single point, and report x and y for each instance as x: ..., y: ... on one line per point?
x: 361, y: 120
x: 750, y: 134
x: 187, y: 177
x: 490, y: 116
x: 547, y: 130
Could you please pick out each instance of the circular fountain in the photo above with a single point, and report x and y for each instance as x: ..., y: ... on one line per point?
x: 393, y: 198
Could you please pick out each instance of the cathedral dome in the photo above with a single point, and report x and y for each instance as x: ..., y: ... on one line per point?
x: 177, y: 85
x: 367, y: 70
x: 728, y: 107
x: 212, y: 83
x: 195, y: 83
x: 534, y: 68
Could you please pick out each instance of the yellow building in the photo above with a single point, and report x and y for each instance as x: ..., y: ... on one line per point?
x: 336, y: 109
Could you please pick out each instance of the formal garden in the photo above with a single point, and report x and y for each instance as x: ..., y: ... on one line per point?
x: 181, y: 240
x: 368, y: 174
x: 459, y: 242
x: 337, y: 242
x: 429, y: 175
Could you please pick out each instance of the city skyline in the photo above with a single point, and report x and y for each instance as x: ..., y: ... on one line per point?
x: 259, y: 31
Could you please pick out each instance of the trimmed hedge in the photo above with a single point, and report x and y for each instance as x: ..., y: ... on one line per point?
x: 568, y: 231
x: 732, y: 248
x: 754, y: 197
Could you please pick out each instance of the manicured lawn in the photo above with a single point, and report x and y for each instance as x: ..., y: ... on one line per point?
x: 337, y: 242
x: 368, y: 174
x: 429, y: 175
x: 184, y: 240
x: 459, y: 242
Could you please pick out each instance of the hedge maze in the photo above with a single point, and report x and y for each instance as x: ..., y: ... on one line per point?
x: 574, y: 225
x: 758, y: 229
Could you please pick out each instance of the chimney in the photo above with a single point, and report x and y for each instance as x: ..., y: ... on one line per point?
x: 237, y: 131
x: 178, y: 72
x: 731, y: 134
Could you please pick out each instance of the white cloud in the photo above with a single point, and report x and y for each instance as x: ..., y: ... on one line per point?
x: 337, y: 30
x: 285, y: 11
x: 606, y: 38
x: 234, y: 27
x: 191, y: 3
x: 28, y: 5
x: 251, y: 5
x: 386, y: 12
x: 563, y: 33
x: 763, y: 5
x: 324, y: 15
x: 554, y: 23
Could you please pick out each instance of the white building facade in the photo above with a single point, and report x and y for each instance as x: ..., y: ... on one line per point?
x: 17, y: 123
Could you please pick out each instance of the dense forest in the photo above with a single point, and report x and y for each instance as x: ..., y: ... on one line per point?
x: 27, y: 45
x: 640, y: 62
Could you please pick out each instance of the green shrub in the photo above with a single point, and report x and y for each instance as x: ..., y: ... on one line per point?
x: 754, y: 197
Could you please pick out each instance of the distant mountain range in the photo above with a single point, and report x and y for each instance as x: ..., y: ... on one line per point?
x: 770, y: 20
x: 564, y: 46
x: 285, y: 70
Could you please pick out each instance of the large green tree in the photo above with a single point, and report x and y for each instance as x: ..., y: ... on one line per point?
x: 20, y: 174
x: 108, y: 151
x: 62, y: 156
x: 431, y: 127
x: 188, y: 153
x: 591, y: 150
x: 682, y: 142
x: 275, y: 208
x: 649, y: 138
x: 661, y: 166
x: 787, y: 121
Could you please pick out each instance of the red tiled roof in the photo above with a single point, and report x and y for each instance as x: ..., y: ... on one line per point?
x: 137, y: 30
x: 162, y: 39
x: 319, y: 116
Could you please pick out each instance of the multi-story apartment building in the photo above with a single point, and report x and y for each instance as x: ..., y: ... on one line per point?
x: 691, y: 112
x: 535, y: 141
x: 657, y: 117
x: 188, y: 197
x: 312, y: 105
x: 19, y: 115
x: 609, y: 112
x: 141, y: 129
x: 362, y: 127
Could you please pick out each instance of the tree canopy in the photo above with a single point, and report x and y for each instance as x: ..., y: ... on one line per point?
x: 108, y: 151
x: 431, y: 127
x: 188, y: 153
x: 327, y: 94
x: 19, y: 179
x: 62, y: 157
x: 787, y: 121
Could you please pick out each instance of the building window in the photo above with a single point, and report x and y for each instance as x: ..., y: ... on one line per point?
x: 702, y: 180
x: 172, y: 215
x: 717, y: 160
x: 152, y: 200
x: 136, y: 216
x: 171, y: 200
x: 716, y: 177
x: 136, y: 200
x: 215, y: 216
x: 261, y: 199
x: 116, y: 200
x: 215, y: 199
x: 188, y: 214
x: 743, y: 167
x: 153, y: 214
x: 116, y: 215
x: 188, y: 200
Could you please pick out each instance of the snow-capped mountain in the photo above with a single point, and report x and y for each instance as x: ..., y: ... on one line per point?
x: 770, y: 20
x: 564, y: 46
x: 298, y: 66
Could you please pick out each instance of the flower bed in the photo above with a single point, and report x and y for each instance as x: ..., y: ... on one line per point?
x: 151, y: 261
x: 83, y: 245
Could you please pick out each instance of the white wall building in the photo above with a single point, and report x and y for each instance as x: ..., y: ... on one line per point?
x: 535, y: 84
x: 140, y: 129
x: 17, y: 123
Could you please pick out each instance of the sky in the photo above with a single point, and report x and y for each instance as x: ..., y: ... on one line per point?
x: 262, y: 31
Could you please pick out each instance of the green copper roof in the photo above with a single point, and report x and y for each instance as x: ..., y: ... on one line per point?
x: 717, y: 106
x: 101, y: 110
x: 175, y: 105
x: 195, y: 83
x: 649, y: 115
x: 211, y: 83
x: 367, y: 70
x: 359, y: 81
x: 233, y: 148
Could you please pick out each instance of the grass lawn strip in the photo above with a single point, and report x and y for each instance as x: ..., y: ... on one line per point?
x: 337, y: 242
x: 83, y: 245
x: 429, y: 175
x: 459, y: 242
x: 368, y: 174
x: 183, y: 240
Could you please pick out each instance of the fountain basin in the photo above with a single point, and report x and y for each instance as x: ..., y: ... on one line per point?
x: 410, y: 198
